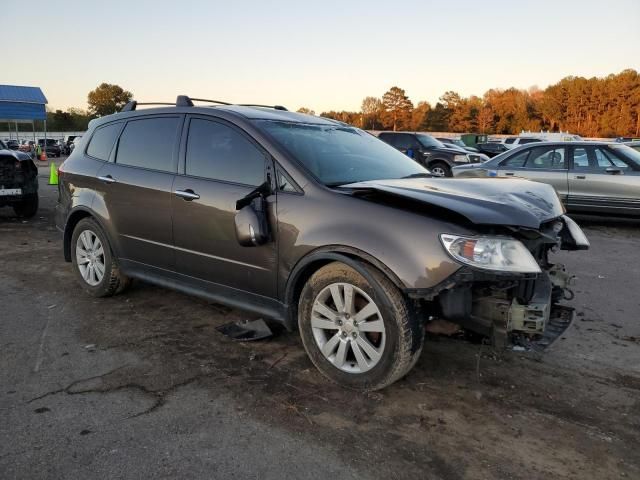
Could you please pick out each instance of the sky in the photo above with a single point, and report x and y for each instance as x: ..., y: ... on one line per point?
x: 324, y: 55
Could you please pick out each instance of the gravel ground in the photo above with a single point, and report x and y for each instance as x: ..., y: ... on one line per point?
x: 142, y: 385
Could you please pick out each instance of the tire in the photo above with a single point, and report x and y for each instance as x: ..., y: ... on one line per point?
x: 112, y: 280
x: 28, y: 207
x: 442, y: 169
x: 393, y: 331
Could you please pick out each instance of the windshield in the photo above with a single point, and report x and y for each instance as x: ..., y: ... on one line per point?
x: 628, y: 152
x: 429, y: 141
x: 337, y: 155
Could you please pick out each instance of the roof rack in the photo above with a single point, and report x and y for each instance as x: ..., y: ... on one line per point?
x: 185, y: 101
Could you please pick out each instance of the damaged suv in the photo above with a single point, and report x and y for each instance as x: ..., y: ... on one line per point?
x: 18, y: 182
x: 313, y: 223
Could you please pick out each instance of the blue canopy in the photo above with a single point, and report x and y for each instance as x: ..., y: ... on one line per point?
x: 22, y: 103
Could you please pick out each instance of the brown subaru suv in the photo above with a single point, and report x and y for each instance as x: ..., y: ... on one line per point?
x: 315, y: 224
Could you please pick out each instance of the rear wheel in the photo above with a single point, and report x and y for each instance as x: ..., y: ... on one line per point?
x: 440, y: 169
x: 359, y: 333
x: 93, y: 262
x: 28, y: 207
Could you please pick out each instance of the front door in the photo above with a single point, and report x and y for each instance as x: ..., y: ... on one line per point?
x: 220, y: 165
x: 137, y: 189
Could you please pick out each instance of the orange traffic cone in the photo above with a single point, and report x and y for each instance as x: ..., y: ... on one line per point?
x: 43, y: 156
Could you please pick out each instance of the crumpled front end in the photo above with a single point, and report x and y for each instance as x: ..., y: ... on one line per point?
x: 516, y: 308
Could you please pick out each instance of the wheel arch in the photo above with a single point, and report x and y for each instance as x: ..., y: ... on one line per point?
x: 74, y: 217
x: 313, y: 261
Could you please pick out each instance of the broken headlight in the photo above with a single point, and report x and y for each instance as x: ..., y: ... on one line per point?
x: 491, y: 253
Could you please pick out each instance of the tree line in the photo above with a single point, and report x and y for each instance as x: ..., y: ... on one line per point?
x: 592, y: 107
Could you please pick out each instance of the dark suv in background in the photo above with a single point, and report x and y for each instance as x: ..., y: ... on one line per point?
x: 18, y: 182
x: 427, y: 151
x: 312, y: 223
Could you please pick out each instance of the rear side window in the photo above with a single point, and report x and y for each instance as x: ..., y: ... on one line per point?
x: 510, y: 140
x: 219, y: 152
x: 149, y: 143
x: 524, y: 141
x: 103, y: 140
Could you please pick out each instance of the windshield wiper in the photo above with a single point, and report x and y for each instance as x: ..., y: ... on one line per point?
x: 419, y: 175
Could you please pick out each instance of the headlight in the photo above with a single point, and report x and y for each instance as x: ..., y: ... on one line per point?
x: 491, y: 253
x: 461, y: 158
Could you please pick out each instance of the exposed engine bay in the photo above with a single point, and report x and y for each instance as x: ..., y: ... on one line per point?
x: 518, y: 308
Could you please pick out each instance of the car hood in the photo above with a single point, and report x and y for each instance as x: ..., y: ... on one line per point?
x: 16, y: 154
x: 483, y: 201
x: 447, y: 150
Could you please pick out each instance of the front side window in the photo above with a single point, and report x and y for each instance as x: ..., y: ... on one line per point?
x: 517, y: 161
x: 524, y: 141
x: 337, y: 154
x: 103, y: 140
x: 510, y: 140
x: 548, y: 158
x: 428, y: 141
x: 219, y: 152
x: 149, y: 143
x: 605, y: 159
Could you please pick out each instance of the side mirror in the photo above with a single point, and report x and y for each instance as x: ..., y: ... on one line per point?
x: 251, y: 225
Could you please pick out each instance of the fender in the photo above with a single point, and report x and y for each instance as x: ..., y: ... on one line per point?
x: 68, y: 231
x: 326, y: 254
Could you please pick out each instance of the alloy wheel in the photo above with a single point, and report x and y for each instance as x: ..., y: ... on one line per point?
x: 348, y: 328
x: 90, y: 257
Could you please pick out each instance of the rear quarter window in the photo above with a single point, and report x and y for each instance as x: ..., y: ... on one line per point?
x: 102, y: 141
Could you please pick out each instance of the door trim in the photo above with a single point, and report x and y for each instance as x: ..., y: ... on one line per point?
x: 196, y: 253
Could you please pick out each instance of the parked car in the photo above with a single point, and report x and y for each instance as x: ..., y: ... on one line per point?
x: 474, y: 155
x: 74, y: 143
x: 427, y: 151
x: 513, y: 142
x: 312, y: 223
x: 491, y: 149
x: 67, y: 142
x: 53, y: 148
x: 595, y: 177
x: 13, y: 145
x: 473, y: 139
x: 18, y: 182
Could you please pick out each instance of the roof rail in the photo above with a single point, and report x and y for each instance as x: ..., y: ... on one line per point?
x: 186, y: 101
x: 275, y: 107
x: 132, y: 105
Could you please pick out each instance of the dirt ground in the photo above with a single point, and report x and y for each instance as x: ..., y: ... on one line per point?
x: 141, y: 385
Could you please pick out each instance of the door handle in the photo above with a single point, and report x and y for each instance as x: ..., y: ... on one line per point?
x: 107, y: 179
x: 188, y: 194
x: 580, y: 177
x: 509, y: 174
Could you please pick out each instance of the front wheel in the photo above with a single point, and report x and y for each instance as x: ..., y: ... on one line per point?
x: 440, y: 169
x: 359, y: 333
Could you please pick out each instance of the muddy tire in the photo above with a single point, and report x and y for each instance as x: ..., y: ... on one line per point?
x: 28, y: 207
x: 93, y: 261
x: 359, y: 332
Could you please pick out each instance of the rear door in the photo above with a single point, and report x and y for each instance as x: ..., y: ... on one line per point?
x: 220, y: 164
x: 136, y: 189
x: 546, y: 164
x: 603, y: 181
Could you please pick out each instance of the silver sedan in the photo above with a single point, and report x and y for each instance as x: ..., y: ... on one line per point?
x: 595, y: 177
